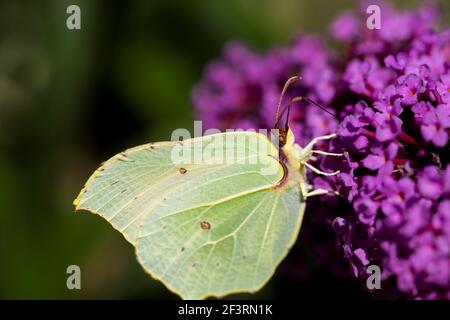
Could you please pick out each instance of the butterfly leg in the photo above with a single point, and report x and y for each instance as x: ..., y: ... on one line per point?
x: 327, y: 153
x: 317, y: 192
x: 320, y: 191
x: 314, y: 169
x: 308, y: 148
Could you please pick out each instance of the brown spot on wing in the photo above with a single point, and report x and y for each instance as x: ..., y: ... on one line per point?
x: 205, y: 225
x: 182, y: 170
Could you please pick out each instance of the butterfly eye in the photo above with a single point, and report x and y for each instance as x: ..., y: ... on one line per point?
x: 282, y: 137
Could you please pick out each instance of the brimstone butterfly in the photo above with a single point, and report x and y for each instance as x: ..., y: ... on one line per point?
x: 208, y: 228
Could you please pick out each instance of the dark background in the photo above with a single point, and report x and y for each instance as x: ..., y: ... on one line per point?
x: 71, y: 99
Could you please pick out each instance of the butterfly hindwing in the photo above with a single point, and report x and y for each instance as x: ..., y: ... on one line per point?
x: 229, y: 246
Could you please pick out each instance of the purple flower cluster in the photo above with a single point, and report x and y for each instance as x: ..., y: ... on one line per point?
x: 391, y: 91
x: 396, y: 142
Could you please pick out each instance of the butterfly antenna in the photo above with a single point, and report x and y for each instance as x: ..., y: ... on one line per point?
x: 288, y: 109
x: 294, y: 100
x: 319, y: 106
x: 286, y: 86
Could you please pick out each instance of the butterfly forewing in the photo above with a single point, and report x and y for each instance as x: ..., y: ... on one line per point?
x: 133, y: 183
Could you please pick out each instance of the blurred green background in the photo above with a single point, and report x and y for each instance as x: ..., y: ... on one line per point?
x: 71, y: 99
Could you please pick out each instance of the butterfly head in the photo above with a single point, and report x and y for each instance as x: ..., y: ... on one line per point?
x: 285, y: 137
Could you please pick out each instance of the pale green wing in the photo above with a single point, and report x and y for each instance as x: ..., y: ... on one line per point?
x: 136, y: 182
x: 231, y: 245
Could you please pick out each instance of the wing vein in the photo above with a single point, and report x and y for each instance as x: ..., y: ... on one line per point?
x: 269, y: 222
